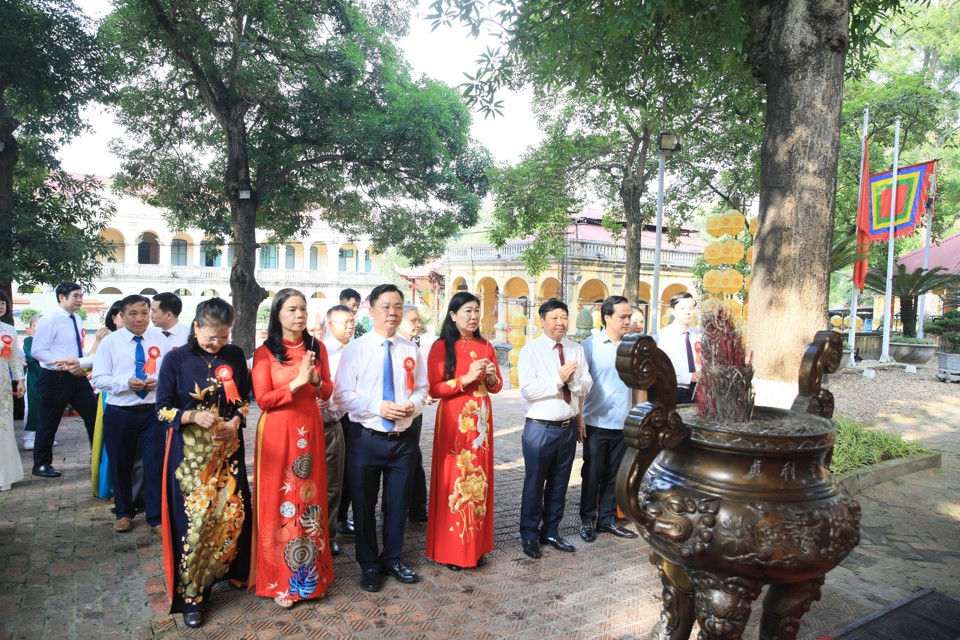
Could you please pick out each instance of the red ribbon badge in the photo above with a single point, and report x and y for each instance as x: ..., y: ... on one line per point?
x: 225, y: 375
x: 150, y: 366
x: 7, y: 341
x: 409, y: 365
x: 696, y: 349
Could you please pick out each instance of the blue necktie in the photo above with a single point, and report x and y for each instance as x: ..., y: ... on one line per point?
x: 76, y: 331
x: 388, y: 392
x: 141, y: 359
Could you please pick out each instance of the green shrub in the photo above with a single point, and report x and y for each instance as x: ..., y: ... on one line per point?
x: 906, y: 340
x: 858, y: 446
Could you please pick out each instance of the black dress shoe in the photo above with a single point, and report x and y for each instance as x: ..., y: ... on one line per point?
x: 370, y: 580
x: 558, y: 543
x: 617, y: 530
x: 454, y: 567
x: 532, y: 549
x: 334, y: 548
x: 482, y: 560
x: 418, y: 517
x: 588, y: 533
x: 401, y: 572
x: 46, y: 471
x: 193, y: 619
x: 345, y: 527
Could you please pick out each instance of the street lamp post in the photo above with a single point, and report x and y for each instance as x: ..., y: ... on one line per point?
x: 666, y: 143
x: 921, y: 311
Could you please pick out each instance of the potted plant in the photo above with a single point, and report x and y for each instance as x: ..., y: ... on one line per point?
x: 907, y: 350
x: 948, y: 357
x: 732, y: 496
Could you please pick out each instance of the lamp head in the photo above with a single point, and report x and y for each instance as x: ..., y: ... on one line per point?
x: 668, y: 141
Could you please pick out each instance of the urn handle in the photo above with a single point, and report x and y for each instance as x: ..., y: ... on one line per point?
x: 650, y: 426
x: 821, y: 357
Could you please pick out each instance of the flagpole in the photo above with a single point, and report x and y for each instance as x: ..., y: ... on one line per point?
x: 855, y: 292
x: 888, y: 296
x: 921, y: 312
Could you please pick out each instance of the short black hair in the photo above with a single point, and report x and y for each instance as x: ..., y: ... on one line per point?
x: 111, y: 312
x: 551, y: 305
x: 169, y: 302
x: 381, y: 289
x: 606, y: 309
x: 683, y: 295
x: 350, y: 294
x: 66, y: 288
x: 212, y: 312
x: 338, y: 307
x: 133, y: 299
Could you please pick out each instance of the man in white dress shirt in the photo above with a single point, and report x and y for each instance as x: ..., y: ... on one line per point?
x: 605, y: 409
x: 411, y: 328
x: 381, y: 384
x: 126, y: 366
x: 165, y: 314
x: 58, y: 347
x: 340, y: 323
x: 680, y: 340
x: 553, y: 377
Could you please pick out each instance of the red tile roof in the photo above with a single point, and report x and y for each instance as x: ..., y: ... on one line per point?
x: 945, y: 253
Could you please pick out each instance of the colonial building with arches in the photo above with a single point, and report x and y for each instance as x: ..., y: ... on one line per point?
x: 150, y: 257
x: 592, y: 268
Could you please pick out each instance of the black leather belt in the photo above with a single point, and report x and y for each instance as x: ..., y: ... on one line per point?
x: 390, y: 435
x: 560, y: 424
x: 136, y: 408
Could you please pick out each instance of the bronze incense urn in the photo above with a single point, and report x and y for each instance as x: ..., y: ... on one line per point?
x: 728, y: 511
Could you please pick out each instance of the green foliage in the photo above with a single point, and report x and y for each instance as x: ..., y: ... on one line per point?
x: 83, y: 314
x: 316, y: 98
x: 911, y: 340
x: 908, y: 286
x: 948, y: 326
x: 263, y: 316
x: 27, y: 314
x: 857, y: 447
x: 55, y: 236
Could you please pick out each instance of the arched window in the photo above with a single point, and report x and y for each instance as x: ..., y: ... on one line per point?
x: 290, y: 258
x: 343, y: 256
x: 178, y: 252
x: 314, y: 258
x: 366, y: 260
x: 148, y: 249
x: 210, y: 253
x: 268, y: 256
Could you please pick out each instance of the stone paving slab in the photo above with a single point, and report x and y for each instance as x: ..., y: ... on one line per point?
x: 65, y: 573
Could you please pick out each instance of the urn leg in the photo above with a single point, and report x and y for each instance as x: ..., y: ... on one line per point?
x: 676, y: 619
x: 783, y: 607
x: 723, y: 604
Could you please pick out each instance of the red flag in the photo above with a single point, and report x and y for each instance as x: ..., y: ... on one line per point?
x: 863, y: 220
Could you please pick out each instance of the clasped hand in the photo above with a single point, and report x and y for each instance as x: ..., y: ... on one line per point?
x: 567, y: 371
x: 394, y: 411
x: 136, y: 384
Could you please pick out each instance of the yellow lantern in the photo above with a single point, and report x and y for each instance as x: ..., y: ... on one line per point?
x: 713, y: 253
x: 733, y: 222
x: 752, y: 226
x: 835, y: 321
x: 731, y: 281
x: 859, y: 324
x: 731, y: 250
x: 750, y: 254
x: 747, y: 281
x: 711, y: 281
x: 734, y: 307
x: 715, y: 226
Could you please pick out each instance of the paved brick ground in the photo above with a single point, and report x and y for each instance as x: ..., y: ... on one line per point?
x: 64, y: 573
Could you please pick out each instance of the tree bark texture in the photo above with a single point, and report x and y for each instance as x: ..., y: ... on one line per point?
x: 631, y: 190
x: 799, y: 55
x: 8, y: 162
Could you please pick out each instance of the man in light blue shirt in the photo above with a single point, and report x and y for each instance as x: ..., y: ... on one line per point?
x: 605, y: 408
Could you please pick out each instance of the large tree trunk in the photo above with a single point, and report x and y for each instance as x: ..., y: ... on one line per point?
x: 8, y: 162
x: 246, y: 291
x: 631, y: 189
x: 908, y: 316
x: 799, y: 55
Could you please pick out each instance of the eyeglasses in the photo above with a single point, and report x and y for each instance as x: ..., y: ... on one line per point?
x: 345, y: 323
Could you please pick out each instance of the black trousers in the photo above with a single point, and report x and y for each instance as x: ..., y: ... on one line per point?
x: 345, y: 497
x: 372, y: 457
x: 685, y: 395
x: 548, y: 454
x: 418, y: 483
x: 603, y: 450
x: 123, y: 429
x: 57, y: 389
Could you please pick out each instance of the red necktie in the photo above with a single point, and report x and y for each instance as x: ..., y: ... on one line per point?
x: 566, y: 389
